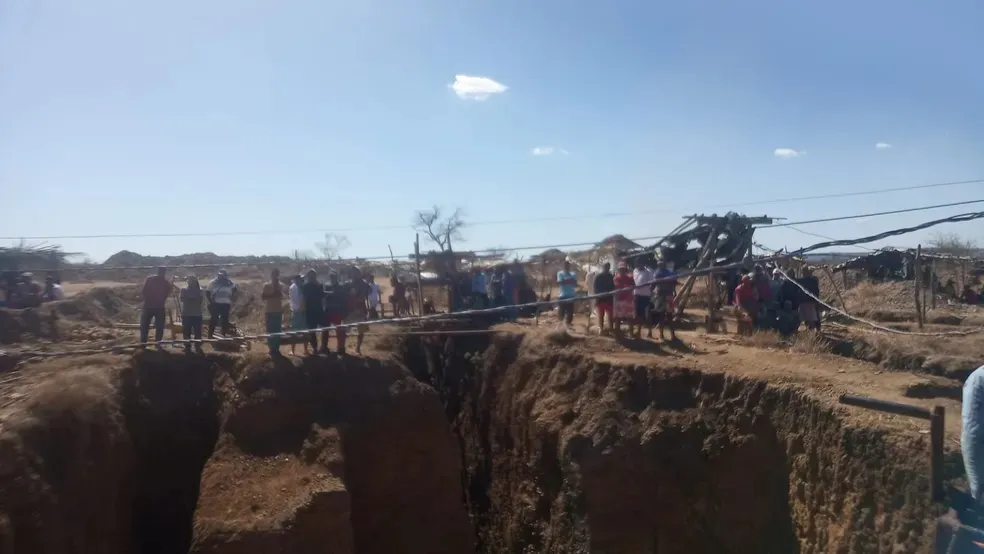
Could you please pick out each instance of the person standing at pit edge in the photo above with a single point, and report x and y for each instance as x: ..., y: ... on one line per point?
x: 298, y: 319
x: 314, y: 310
x: 191, y: 313
x: 336, y: 307
x: 155, y: 291
x: 273, y: 301
x: 221, y: 293
x: 643, y: 275
x: 567, y: 282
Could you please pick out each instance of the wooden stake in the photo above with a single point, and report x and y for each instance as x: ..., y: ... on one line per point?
x: 420, y: 282
x: 932, y: 284
x: 836, y: 289
x: 917, y: 267
x: 936, y: 431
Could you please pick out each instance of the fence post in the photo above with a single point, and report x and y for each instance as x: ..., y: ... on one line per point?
x: 420, y: 282
x: 936, y: 432
x: 917, y: 267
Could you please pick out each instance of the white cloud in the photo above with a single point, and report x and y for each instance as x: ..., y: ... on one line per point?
x: 548, y: 151
x: 788, y: 153
x: 476, y: 88
x: 882, y: 146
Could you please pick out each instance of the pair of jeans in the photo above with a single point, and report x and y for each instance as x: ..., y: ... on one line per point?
x: 274, y: 324
x: 220, y: 313
x: 192, y: 325
x: 157, y: 314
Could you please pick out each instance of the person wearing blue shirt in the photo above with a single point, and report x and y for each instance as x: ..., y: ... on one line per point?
x: 972, y: 434
x: 479, y: 285
x: 568, y: 289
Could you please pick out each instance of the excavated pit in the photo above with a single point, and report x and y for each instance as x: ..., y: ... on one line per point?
x: 463, y: 444
x: 565, y: 454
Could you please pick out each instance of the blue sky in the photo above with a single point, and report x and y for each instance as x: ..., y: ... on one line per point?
x: 134, y: 117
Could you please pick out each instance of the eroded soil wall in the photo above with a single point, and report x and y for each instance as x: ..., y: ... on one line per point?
x: 565, y: 454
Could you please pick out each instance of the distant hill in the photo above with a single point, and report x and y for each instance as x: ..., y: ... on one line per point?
x: 125, y: 258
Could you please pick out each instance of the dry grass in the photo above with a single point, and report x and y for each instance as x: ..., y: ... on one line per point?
x: 763, y: 339
x: 951, y: 356
x: 811, y: 342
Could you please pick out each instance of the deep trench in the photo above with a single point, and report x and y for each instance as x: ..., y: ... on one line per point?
x: 171, y: 415
x: 674, y: 461
x: 558, y: 453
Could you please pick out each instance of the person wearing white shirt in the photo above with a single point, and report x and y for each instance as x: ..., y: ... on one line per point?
x: 298, y: 319
x: 220, y: 293
x: 375, y: 296
x: 643, y: 275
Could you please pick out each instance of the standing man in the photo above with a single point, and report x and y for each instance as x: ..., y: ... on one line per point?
x: 643, y: 275
x: 358, y: 307
x: 624, y: 308
x: 298, y: 319
x: 604, y: 282
x: 663, y: 299
x: 808, y: 308
x: 191, y: 313
x: 375, y: 297
x: 479, y: 286
x: 273, y: 301
x: 156, y: 289
x: 220, y: 293
x: 972, y: 435
x: 314, y: 311
x: 567, y: 282
x: 336, y: 306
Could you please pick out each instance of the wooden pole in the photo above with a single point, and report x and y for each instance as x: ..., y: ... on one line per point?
x: 844, y: 279
x: 936, y: 432
x: 917, y: 267
x: 836, y: 288
x: 712, y: 294
x: 932, y: 284
x: 420, y: 282
x: 543, y: 284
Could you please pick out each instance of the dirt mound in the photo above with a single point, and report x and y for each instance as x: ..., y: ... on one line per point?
x: 167, y: 453
x: 567, y: 454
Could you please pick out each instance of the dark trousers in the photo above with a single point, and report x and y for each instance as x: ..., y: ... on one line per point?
x: 220, y: 313
x: 157, y: 314
x: 565, y: 312
x: 192, y: 325
x: 314, y: 320
x: 274, y: 324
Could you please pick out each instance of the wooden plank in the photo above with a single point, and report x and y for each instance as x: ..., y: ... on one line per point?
x: 917, y: 267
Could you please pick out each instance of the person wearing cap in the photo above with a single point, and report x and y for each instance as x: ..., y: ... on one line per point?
x: 314, y: 310
x: 192, y: 298
x: 298, y: 319
x: 29, y: 292
x: 273, y: 302
x: 221, y: 292
x: 624, y: 308
x: 156, y: 290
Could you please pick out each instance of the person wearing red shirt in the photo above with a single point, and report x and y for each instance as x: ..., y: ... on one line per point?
x: 624, y: 308
x: 155, y: 291
x: 747, y: 298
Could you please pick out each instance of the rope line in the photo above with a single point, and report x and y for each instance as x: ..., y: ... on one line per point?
x: 500, y: 221
x: 556, y: 302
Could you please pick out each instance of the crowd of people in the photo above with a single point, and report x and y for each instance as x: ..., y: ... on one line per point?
x: 779, y: 303
x: 21, y: 290
x: 310, y: 304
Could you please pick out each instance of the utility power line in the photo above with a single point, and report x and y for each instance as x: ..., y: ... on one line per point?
x: 861, y: 216
x: 593, y: 216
